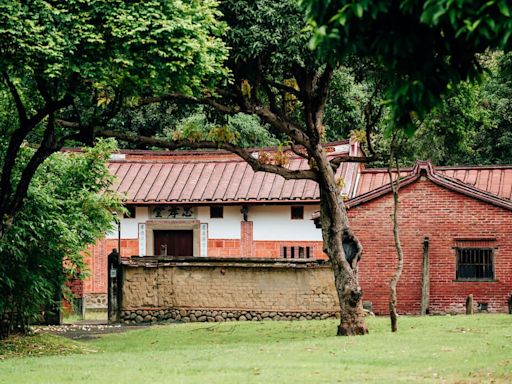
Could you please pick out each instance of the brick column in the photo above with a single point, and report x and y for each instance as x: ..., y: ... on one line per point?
x: 246, y: 239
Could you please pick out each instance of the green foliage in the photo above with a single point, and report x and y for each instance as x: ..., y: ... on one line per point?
x: 471, y: 125
x: 68, y: 207
x: 345, y: 105
x: 241, y: 130
x: 265, y: 33
x: 427, y: 46
x: 112, y: 43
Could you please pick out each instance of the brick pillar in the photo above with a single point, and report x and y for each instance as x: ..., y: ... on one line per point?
x: 246, y: 239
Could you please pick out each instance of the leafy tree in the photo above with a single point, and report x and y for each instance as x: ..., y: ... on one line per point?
x: 68, y: 207
x: 423, y: 46
x: 277, y: 79
x: 82, y: 59
x: 471, y: 124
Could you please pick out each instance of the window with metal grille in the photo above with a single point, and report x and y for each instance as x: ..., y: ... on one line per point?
x: 475, y: 263
x: 296, y: 252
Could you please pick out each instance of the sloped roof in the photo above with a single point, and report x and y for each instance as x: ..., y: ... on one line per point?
x: 493, y: 179
x: 212, y: 177
x: 440, y: 177
x: 490, y: 184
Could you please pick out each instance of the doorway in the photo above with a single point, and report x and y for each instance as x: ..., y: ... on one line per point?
x: 173, y: 242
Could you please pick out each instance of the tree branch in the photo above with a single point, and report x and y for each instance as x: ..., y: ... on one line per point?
x: 46, y: 148
x: 247, y: 156
x: 22, y: 112
x: 335, y: 162
x: 285, y: 88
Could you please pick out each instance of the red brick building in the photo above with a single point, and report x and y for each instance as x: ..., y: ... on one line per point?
x: 211, y: 204
x: 465, y: 214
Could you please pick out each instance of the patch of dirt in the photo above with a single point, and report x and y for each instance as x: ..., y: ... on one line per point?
x: 84, y: 332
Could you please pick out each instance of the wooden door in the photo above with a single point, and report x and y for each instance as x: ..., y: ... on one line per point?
x: 174, y: 243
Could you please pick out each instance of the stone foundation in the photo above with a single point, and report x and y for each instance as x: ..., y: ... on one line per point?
x: 137, y: 316
x: 96, y: 301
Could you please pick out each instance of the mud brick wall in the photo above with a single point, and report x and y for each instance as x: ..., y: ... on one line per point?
x: 230, y: 286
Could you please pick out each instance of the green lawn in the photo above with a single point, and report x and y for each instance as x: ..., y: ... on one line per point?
x: 456, y: 349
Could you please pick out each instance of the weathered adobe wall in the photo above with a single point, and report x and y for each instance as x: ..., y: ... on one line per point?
x: 442, y: 215
x: 284, y: 291
x: 96, y: 259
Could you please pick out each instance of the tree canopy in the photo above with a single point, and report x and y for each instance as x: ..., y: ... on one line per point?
x: 68, y: 207
x: 85, y: 60
x: 423, y: 47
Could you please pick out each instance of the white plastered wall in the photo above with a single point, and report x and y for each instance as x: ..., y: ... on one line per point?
x: 273, y: 222
x: 130, y: 226
x: 226, y: 228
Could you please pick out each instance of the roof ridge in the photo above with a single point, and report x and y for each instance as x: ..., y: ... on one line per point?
x: 437, y: 178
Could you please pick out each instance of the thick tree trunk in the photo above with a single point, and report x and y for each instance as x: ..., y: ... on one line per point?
x: 343, y: 249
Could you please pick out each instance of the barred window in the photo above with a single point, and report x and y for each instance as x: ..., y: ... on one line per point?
x: 475, y: 263
x: 291, y: 252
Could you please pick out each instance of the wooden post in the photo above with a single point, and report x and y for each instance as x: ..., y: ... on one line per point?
x: 425, y: 287
x: 114, y: 287
x: 469, y: 305
x: 510, y: 305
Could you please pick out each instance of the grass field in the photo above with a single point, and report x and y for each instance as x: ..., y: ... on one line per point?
x: 456, y: 349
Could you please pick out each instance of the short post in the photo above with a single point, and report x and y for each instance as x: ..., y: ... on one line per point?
x: 425, y: 286
x: 469, y: 305
x: 510, y: 305
x: 113, y: 286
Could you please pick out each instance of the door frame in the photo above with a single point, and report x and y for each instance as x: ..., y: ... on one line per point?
x: 170, y: 225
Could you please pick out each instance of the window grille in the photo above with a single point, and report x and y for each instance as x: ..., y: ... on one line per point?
x: 475, y: 263
x: 296, y: 252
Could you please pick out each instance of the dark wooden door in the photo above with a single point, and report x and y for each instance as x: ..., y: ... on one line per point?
x: 174, y: 243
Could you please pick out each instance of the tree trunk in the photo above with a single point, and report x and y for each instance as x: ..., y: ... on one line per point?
x: 395, y: 186
x: 343, y: 249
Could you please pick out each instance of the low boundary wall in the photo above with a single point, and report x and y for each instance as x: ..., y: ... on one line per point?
x: 195, y: 289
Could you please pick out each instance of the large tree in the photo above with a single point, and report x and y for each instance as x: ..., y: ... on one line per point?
x: 276, y: 78
x: 68, y: 207
x: 81, y: 59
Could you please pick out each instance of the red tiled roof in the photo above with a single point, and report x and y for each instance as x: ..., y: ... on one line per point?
x: 493, y: 179
x: 496, y: 180
x: 439, y: 177
x: 208, y: 178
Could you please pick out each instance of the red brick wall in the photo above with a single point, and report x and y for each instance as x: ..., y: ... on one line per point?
x: 247, y: 242
x: 96, y: 259
x: 224, y: 248
x: 443, y: 216
x: 272, y: 249
x: 261, y: 249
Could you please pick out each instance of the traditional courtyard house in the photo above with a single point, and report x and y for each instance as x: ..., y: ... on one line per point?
x: 210, y: 204
x: 256, y: 252
x: 456, y: 220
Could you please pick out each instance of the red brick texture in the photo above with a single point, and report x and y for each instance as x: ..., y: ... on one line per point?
x: 96, y: 259
x: 428, y: 210
x: 224, y: 247
x: 247, y: 242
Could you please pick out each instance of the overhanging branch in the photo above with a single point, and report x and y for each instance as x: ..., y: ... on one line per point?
x: 247, y: 156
